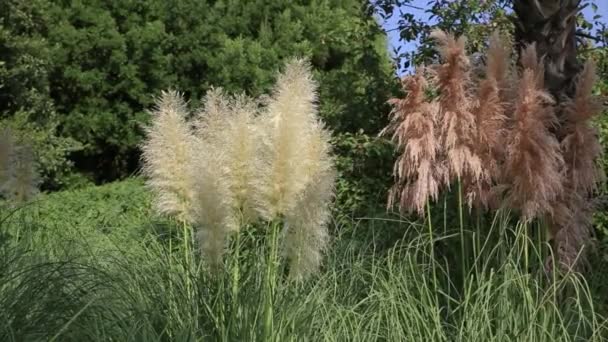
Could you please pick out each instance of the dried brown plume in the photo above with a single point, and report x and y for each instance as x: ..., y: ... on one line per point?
x: 533, y: 160
x: 412, y: 125
x: 457, y: 120
x: 490, y: 125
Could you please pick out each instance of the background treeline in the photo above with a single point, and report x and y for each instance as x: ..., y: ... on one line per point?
x: 77, y: 77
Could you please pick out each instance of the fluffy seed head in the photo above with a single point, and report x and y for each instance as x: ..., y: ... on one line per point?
x: 457, y: 120
x: 228, y: 127
x: 306, y: 236
x: 412, y: 126
x: 490, y: 120
x: 580, y: 144
x: 214, y: 212
x: 167, y: 157
x: 285, y: 128
x: 534, y: 159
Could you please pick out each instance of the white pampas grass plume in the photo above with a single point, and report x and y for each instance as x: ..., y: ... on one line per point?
x: 213, y: 213
x: 227, y: 126
x: 297, y: 172
x: 211, y: 120
x: 286, y: 129
x: 306, y: 236
x: 167, y: 157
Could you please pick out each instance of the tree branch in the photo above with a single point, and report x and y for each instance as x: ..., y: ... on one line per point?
x: 585, y: 35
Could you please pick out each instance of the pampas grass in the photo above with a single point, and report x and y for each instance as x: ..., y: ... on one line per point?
x: 580, y: 145
x: 413, y: 129
x: 228, y: 129
x: 298, y: 169
x: 306, y: 236
x: 494, y: 132
x: 490, y: 125
x: 287, y: 124
x: 167, y: 158
x: 243, y: 159
x: 534, y: 159
x: 455, y: 105
x: 572, y: 229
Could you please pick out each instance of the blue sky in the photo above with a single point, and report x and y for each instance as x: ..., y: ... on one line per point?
x: 393, y: 36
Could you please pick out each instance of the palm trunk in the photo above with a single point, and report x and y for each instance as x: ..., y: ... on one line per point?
x: 551, y: 24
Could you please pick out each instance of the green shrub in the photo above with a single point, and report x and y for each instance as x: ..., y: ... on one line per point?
x: 110, y: 58
x: 25, y: 101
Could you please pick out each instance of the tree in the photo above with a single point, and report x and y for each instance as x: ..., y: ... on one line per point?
x: 111, y: 58
x: 25, y: 102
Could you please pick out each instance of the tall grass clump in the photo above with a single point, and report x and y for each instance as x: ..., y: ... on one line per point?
x: 242, y: 160
x: 493, y: 133
x: 246, y: 162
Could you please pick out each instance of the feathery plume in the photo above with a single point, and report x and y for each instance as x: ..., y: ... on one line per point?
x: 533, y: 160
x: 214, y: 212
x: 297, y: 173
x: 529, y: 60
x: 581, y: 150
x: 228, y: 126
x: 490, y: 119
x: 285, y: 128
x: 572, y: 230
x: 167, y: 157
x: 306, y: 236
x: 211, y: 119
x: 412, y: 125
x: 580, y: 145
x: 457, y: 120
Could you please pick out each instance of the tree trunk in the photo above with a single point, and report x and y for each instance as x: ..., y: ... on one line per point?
x: 551, y: 24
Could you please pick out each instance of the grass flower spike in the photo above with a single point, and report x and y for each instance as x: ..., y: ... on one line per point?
x: 214, y: 212
x: 306, y: 236
x: 490, y: 121
x: 534, y: 159
x: 572, y: 227
x: 286, y: 125
x: 236, y: 139
x: 167, y: 157
x: 416, y: 172
x: 457, y: 119
x: 298, y: 175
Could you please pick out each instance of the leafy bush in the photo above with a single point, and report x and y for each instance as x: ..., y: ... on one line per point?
x: 25, y: 102
x: 110, y: 58
x: 364, y: 172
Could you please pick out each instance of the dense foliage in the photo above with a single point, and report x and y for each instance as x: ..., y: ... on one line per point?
x: 25, y: 102
x: 93, y: 68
